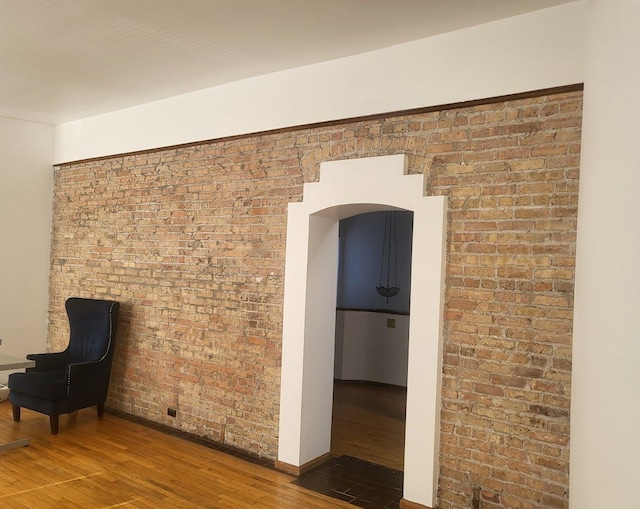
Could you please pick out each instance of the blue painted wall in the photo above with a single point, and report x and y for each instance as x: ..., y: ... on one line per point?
x: 361, y: 249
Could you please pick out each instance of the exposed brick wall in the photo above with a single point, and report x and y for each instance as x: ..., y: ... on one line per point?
x: 191, y: 240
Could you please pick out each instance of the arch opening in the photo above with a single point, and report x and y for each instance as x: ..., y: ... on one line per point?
x: 348, y: 188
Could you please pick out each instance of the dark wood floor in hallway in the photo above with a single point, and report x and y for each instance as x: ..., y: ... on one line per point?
x: 368, y: 422
x: 367, y: 447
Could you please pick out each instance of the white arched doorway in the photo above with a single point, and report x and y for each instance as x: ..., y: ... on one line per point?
x: 347, y: 188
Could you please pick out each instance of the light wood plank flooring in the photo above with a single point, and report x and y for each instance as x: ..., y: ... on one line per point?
x: 113, y: 462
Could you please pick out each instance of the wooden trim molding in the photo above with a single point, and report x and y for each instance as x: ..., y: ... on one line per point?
x: 406, y: 504
x: 380, y: 311
x: 298, y: 471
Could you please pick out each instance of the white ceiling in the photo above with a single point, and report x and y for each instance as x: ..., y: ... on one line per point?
x: 62, y: 60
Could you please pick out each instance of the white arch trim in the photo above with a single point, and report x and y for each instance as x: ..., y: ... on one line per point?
x: 347, y: 188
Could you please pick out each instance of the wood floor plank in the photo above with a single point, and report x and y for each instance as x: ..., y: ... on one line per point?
x: 113, y: 462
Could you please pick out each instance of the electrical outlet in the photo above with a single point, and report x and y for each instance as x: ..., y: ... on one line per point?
x: 171, y: 412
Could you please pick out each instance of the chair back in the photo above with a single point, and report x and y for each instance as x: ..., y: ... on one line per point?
x: 93, y: 325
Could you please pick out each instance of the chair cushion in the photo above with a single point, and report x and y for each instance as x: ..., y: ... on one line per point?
x: 50, y: 385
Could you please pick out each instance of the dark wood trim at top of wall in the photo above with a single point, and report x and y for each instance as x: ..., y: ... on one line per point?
x: 381, y: 311
x: 375, y: 116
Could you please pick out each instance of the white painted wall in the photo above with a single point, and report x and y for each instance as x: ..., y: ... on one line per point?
x: 26, y: 152
x: 366, y: 349
x: 533, y: 51
x: 605, y: 404
x: 318, y: 336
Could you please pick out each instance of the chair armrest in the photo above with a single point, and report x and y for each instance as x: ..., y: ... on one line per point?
x: 48, y: 361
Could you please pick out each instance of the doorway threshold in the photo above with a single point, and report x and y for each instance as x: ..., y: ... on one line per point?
x: 357, y: 482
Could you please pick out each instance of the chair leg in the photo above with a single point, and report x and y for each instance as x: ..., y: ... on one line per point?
x: 100, y: 409
x: 16, y: 412
x: 53, y: 421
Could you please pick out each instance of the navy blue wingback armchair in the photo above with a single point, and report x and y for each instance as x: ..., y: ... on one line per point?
x: 78, y: 377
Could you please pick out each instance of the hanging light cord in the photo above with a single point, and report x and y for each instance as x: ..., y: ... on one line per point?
x: 394, y: 232
x: 390, y: 235
x: 386, y: 247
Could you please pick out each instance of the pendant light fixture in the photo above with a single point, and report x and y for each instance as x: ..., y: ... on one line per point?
x: 388, y: 281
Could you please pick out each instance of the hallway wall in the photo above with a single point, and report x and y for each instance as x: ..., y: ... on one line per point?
x: 368, y: 349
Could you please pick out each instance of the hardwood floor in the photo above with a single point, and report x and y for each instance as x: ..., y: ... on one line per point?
x: 113, y: 462
x: 368, y: 423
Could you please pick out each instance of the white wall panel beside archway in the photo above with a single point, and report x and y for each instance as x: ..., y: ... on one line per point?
x: 346, y: 188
